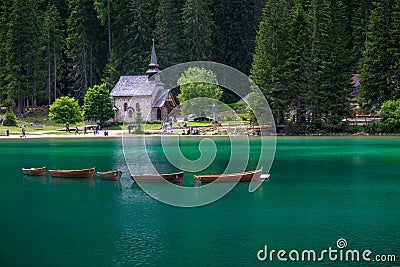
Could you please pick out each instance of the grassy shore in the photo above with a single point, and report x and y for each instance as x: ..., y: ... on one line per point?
x: 36, y: 127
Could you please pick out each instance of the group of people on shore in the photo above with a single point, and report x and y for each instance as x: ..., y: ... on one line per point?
x: 96, y: 130
x: 191, y: 131
x: 23, y: 131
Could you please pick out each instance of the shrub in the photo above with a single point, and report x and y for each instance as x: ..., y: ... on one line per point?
x: 153, y: 122
x: 10, y: 119
x: 138, y: 120
x: 390, y: 116
x: 65, y: 109
x: 372, y: 128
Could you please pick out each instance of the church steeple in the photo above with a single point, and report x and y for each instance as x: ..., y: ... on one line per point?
x: 153, y: 66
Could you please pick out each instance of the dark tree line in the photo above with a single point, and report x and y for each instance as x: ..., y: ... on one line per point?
x: 301, y: 53
x: 308, y: 50
x: 51, y: 48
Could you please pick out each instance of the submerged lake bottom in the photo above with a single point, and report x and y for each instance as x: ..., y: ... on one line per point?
x: 324, y: 194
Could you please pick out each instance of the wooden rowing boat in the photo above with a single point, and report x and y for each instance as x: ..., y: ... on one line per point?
x: 111, y: 175
x: 84, y: 173
x: 35, y: 171
x: 233, y: 177
x: 175, y: 178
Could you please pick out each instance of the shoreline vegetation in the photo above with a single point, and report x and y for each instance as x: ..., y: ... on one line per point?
x: 42, y: 127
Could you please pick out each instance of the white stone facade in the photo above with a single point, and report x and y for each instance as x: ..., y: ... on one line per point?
x: 126, y: 108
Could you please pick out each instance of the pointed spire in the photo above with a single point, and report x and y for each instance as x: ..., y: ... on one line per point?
x: 153, y: 66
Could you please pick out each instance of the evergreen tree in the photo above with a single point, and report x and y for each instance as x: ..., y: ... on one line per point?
x: 120, y: 21
x: 167, y: 34
x: 85, y: 47
x: 5, y: 12
x: 359, y: 26
x: 333, y: 60
x: 234, y: 35
x: 139, y: 37
x: 10, y: 119
x: 55, y: 48
x: 298, y: 66
x: 197, y: 30
x: 318, y: 24
x: 138, y: 120
x: 394, y: 75
x: 110, y: 75
x: 377, y: 63
x: 104, y: 14
x: 268, y: 68
x: 22, y: 53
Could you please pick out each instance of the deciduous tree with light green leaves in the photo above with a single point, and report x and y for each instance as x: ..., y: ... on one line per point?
x: 390, y: 115
x: 65, y: 109
x: 97, y: 105
x: 198, y: 83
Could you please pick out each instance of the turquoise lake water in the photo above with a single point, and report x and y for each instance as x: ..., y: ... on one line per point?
x: 321, y: 190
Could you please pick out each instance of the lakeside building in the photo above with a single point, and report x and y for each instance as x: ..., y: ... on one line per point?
x: 147, y: 90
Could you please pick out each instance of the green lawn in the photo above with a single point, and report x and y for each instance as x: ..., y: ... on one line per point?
x: 57, y: 128
x: 48, y: 126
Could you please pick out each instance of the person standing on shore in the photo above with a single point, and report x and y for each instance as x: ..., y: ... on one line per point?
x: 67, y: 127
x: 8, y: 132
x: 23, y: 131
x: 77, y: 130
x: 84, y: 130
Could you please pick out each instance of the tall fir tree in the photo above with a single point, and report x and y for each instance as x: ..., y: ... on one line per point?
x: 377, y: 62
x: 197, y: 30
x: 298, y: 66
x: 168, y: 34
x: 121, y: 18
x: 333, y: 60
x: 54, y: 41
x: 139, y: 35
x: 394, y: 51
x: 359, y: 26
x: 103, y: 9
x: 22, y: 53
x: 268, y: 68
x: 5, y: 12
x: 234, y: 36
x: 318, y: 24
x: 110, y: 74
x: 85, y: 47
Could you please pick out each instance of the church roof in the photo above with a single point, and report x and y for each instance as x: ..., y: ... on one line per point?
x: 161, y: 99
x: 133, y: 86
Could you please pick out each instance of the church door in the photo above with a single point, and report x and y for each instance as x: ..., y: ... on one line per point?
x: 159, y: 114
